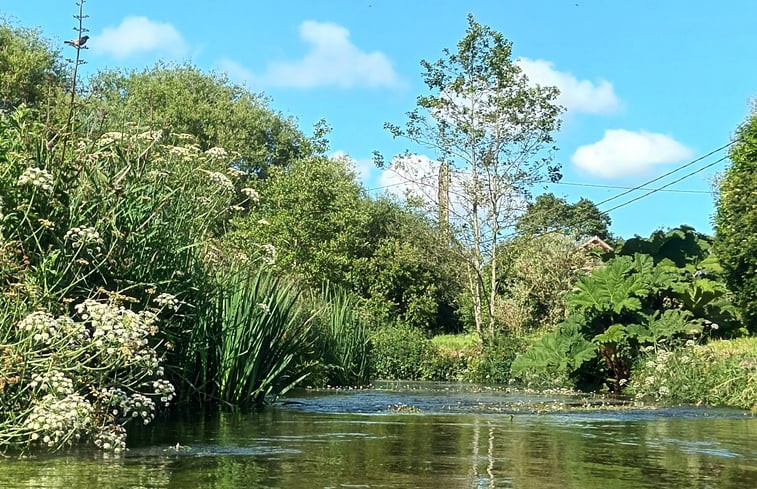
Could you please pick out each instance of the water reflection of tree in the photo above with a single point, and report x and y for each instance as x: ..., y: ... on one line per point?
x: 302, y: 450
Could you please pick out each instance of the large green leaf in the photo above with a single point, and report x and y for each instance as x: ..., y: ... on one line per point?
x: 612, y: 335
x: 614, y: 288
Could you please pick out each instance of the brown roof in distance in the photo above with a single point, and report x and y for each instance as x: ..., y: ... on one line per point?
x: 596, y: 241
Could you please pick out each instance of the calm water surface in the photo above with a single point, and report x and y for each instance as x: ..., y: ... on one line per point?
x: 461, y: 438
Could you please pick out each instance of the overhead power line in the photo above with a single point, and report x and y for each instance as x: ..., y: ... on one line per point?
x: 674, y: 170
x: 665, y: 186
x: 592, y: 185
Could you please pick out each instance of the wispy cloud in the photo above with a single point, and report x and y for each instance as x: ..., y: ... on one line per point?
x: 331, y: 60
x: 137, y: 35
x: 622, y: 153
x: 578, y: 96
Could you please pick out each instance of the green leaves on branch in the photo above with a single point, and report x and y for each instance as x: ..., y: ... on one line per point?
x: 736, y: 221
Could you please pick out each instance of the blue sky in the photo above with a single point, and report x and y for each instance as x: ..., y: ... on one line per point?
x: 649, y: 85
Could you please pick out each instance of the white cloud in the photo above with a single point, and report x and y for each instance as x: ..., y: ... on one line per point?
x: 138, y: 35
x: 623, y: 153
x: 331, y: 60
x: 576, y: 95
x: 415, y: 175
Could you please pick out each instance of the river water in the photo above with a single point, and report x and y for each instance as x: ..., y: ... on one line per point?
x: 420, y: 436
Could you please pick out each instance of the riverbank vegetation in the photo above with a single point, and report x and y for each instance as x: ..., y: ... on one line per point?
x: 167, y: 237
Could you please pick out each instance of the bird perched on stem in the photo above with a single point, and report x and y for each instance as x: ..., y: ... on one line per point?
x: 77, y: 43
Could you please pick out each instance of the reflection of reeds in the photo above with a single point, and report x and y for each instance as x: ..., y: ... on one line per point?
x: 251, y: 333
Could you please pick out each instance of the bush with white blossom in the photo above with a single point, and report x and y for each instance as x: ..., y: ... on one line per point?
x: 81, y: 378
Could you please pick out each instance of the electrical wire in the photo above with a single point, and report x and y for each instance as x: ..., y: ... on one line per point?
x: 665, y: 186
x: 638, y: 187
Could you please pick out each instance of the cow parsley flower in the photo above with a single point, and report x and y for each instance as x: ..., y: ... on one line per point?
x: 167, y: 301
x: 83, y: 236
x: 216, y: 152
x: 251, y: 194
x: 221, y: 181
x: 37, y: 177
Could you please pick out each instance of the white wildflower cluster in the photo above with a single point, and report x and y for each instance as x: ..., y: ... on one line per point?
x: 110, y: 137
x: 270, y: 254
x: 186, y: 153
x: 167, y: 301
x: 165, y: 390
x: 47, y: 329
x: 59, y: 420
x: 112, y: 437
x: 180, y: 151
x: 216, y: 152
x: 37, y: 177
x: 251, y: 194
x: 53, y: 382
x: 184, y: 137
x: 662, y: 359
x: 83, y: 236
x: 221, y: 181
x: 131, y: 406
x: 120, y: 332
x: 236, y: 208
x: 150, y: 135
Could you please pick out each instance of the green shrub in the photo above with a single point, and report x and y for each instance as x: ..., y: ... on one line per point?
x: 559, y: 359
x: 630, y: 303
x: 493, y: 365
x: 400, y: 352
x: 722, y: 372
x: 736, y: 221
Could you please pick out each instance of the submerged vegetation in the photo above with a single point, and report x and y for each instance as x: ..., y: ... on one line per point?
x: 161, y: 247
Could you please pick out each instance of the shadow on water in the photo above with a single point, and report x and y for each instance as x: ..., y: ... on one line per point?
x: 425, y: 436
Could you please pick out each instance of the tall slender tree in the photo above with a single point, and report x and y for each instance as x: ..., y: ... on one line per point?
x: 494, y: 129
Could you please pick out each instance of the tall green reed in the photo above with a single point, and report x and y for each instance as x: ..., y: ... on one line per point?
x: 245, y: 345
x: 342, y: 343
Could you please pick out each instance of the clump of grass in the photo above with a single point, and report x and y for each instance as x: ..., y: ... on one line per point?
x: 342, y: 340
x: 722, y: 372
x: 246, y: 341
x: 448, y: 343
